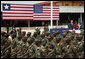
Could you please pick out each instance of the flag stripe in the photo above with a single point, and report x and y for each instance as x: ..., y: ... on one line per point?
x: 21, y: 10
x: 17, y: 19
x: 45, y: 19
x: 22, y: 4
x: 45, y: 16
x: 16, y: 13
x: 20, y: 7
x: 17, y: 16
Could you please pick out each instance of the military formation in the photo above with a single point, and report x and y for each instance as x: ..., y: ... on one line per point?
x: 42, y: 45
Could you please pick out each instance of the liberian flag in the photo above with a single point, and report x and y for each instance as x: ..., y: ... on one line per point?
x: 17, y: 12
x: 28, y: 12
x: 77, y: 32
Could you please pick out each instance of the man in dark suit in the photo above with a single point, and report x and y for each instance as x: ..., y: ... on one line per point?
x: 71, y: 25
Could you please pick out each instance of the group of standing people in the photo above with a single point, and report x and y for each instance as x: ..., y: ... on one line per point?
x: 72, y: 26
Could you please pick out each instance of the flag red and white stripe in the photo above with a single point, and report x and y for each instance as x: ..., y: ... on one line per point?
x: 70, y: 30
x: 46, y: 15
x: 18, y: 12
x: 77, y: 32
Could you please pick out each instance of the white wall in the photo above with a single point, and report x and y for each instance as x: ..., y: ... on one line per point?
x: 71, y: 9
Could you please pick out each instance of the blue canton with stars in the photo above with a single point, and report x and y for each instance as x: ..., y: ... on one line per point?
x: 4, y: 7
x: 38, y: 9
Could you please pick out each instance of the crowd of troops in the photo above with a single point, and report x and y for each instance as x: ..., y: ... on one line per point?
x: 42, y: 45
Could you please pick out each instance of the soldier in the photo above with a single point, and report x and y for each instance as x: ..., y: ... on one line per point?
x: 29, y: 34
x: 51, y: 54
x: 38, y: 42
x: 30, y: 40
x: 58, y: 49
x: 50, y: 48
x: 44, y: 41
x: 80, y: 47
x: 13, y: 47
x: 46, y: 30
x: 5, y: 42
x: 42, y: 36
x: 34, y: 35
x: 25, y: 46
x: 2, y: 43
x: 31, y: 50
x: 18, y: 47
x: 19, y: 31
x: 43, y: 51
x: 37, y: 51
x: 58, y: 38
x: 38, y: 31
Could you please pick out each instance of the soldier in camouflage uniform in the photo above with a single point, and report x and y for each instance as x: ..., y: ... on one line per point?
x: 31, y: 50
x: 43, y: 51
x: 19, y: 46
x: 25, y: 47
x: 19, y: 31
x: 14, y: 48
x: 43, y: 42
x: 5, y: 42
x: 2, y: 43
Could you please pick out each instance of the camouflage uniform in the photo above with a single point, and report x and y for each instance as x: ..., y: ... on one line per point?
x: 43, y: 51
x: 5, y: 42
x: 13, y: 46
x: 80, y: 47
x: 37, y: 52
x: 2, y: 46
x: 24, y: 46
x: 44, y: 41
x: 19, y: 46
x: 31, y: 50
x: 19, y: 31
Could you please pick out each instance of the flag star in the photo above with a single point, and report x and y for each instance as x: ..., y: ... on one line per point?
x: 6, y: 7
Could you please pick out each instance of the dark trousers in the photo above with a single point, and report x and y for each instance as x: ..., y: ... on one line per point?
x: 7, y: 29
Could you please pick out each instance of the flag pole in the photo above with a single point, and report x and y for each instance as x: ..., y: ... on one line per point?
x: 51, y: 14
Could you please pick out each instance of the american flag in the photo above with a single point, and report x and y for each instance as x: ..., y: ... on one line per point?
x: 29, y: 12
